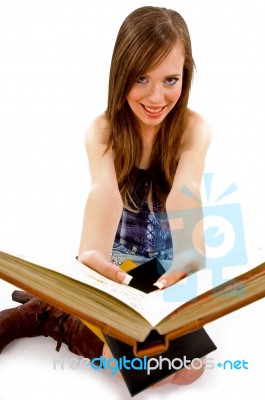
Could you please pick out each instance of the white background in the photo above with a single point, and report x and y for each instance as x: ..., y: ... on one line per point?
x: 54, y: 63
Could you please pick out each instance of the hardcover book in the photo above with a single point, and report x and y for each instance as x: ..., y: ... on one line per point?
x: 127, y: 313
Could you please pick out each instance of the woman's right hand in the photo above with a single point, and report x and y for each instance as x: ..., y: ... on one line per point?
x: 95, y: 259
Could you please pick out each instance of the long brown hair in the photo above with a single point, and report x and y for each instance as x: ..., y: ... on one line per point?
x: 145, y: 38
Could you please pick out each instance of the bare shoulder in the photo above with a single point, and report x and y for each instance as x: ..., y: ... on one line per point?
x: 100, y: 157
x: 97, y: 132
x: 197, y: 133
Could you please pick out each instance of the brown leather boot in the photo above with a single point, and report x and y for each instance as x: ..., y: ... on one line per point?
x: 36, y: 318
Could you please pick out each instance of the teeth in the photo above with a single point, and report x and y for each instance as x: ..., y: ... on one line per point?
x: 151, y: 110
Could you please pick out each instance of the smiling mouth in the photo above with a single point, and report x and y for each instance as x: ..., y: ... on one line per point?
x: 153, y: 110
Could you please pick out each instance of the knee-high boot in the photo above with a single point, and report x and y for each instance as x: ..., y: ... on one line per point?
x: 36, y: 318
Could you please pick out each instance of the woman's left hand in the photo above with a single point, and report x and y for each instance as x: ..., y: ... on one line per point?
x: 183, y: 264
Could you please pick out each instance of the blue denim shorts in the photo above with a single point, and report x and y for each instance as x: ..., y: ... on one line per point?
x: 120, y: 253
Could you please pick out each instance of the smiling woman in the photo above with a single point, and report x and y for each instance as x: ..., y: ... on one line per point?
x: 54, y: 67
x: 153, y: 145
x: 142, y: 151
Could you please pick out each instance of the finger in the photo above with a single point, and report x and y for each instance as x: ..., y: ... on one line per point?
x: 114, y: 273
x: 98, y: 263
x: 169, y: 278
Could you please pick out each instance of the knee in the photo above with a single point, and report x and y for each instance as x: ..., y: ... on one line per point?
x: 189, y: 374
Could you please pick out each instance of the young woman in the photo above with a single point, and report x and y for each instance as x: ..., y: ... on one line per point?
x: 142, y: 151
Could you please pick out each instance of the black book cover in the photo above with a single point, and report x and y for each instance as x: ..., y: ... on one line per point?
x: 188, y: 347
x: 145, y: 275
x: 137, y: 372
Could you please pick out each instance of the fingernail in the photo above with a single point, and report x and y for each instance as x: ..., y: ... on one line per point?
x: 124, y: 278
x: 160, y: 284
x: 127, y: 279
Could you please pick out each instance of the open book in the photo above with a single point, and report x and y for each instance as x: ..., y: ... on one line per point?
x: 128, y: 314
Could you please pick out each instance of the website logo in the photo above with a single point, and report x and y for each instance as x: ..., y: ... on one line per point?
x: 147, y: 364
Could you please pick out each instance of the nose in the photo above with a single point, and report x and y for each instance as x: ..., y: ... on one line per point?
x: 156, y: 94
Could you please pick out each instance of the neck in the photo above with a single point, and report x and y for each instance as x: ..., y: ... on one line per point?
x: 148, y: 134
x: 147, y: 151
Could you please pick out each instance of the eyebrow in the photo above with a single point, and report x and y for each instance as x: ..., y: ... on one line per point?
x: 169, y: 76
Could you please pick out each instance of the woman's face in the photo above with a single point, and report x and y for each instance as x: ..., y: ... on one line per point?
x: 156, y: 92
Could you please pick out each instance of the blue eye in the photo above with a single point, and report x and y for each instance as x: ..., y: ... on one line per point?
x: 171, y: 81
x: 142, y: 79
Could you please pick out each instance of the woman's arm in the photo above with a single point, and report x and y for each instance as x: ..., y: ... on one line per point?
x: 104, y: 204
x: 183, y: 209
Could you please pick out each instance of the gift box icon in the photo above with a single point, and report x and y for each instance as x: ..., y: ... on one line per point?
x: 222, y: 229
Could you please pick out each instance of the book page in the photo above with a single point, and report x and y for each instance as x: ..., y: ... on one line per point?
x: 160, y: 304
x: 74, y: 269
x: 154, y: 306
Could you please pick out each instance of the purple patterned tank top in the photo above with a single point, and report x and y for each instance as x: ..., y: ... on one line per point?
x: 144, y: 232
